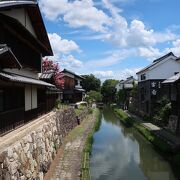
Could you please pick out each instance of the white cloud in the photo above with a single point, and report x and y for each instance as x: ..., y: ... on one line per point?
x: 76, y: 13
x: 149, y: 53
x: 62, y: 49
x: 125, y: 73
x: 135, y: 34
x: 103, y: 74
x: 62, y: 46
x: 120, y: 74
x: 175, y: 48
x: 70, y: 62
x: 111, y: 58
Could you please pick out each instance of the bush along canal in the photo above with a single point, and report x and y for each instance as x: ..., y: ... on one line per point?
x: 122, y: 153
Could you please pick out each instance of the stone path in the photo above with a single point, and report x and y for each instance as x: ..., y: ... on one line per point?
x: 67, y: 163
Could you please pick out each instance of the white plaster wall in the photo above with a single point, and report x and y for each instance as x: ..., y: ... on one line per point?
x: 27, y: 97
x: 30, y: 97
x: 162, y: 70
x: 23, y: 72
x: 21, y: 15
x: 78, y: 85
x: 34, y: 97
x: 165, y: 70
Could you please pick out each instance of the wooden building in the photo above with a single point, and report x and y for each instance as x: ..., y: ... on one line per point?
x: 56, y: 92
x: 23, y: 43
x: 172, y: 85
x: 73, y: 91
x: 150, y: 81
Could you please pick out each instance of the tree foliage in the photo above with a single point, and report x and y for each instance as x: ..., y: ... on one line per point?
x: 48, y: 66
x: 108, y: 90
x: 90, y: 82
x: 163, y: 111
x: 94, y: 96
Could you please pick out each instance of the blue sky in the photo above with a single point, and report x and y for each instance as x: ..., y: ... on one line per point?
x: 111, y: 38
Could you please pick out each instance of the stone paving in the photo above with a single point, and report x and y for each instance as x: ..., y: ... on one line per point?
x: 67, y: 164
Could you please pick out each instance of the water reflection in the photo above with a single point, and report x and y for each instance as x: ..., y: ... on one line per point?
x: 123, y: 154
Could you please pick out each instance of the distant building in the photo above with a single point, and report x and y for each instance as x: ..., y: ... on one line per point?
x: 150, y: 81
x: 126, y: 85
x: 73, y: 91
x: 55, y: 92
x: 23, y: 43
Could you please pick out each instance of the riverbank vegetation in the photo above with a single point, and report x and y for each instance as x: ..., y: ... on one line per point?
x: 160, y: 144
x: 125, y: 119
x: 128, y: 121
x: 85, y: 168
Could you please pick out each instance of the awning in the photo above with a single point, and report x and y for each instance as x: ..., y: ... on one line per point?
x: 54, y: 90
x: 21, y: 79
x: 7, y: 58
x: 79, y: 89
x: 172, y: 79
x: 46, y: 75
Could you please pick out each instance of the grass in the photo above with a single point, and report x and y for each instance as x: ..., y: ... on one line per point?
x: 159, y: 143
x: 80, y: 109
x: 124, y: 118
x: 85, y: 168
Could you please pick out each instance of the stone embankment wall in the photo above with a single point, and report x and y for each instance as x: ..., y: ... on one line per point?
x: 30, y: 156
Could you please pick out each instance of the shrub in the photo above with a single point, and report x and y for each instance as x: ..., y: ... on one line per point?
x: 163, y: 111
x: 58, y: 104
x: 126, y: 120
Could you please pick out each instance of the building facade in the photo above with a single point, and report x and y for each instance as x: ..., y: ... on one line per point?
x: 73, y: 91
x: 23, y: 43
x: 150, y: 78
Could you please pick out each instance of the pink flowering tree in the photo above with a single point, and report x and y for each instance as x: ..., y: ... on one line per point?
x: 51, y: 67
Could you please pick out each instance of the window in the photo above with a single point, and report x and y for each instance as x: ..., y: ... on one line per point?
x: 143, y: 77
x: 1, y: 100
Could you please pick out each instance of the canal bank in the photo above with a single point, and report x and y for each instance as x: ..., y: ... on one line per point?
x: 67, y: 163
x: 123, y: 153
x: 166, y: 143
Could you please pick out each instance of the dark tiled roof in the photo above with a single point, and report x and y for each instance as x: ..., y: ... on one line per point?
x: 34, y: 13
x: 156, y: 62
x: 70, y: 72
x: 172, y: 79
x: 54, y: 90
x: 21, y: 79
x: 7, y: 58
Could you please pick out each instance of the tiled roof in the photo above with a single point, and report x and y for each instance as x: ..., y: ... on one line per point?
x: 22, y: 79
x: 172, y: 79
x: 70, y: 72
x: 156, y: 62
x: 34, y: 13
x: 7, y: 58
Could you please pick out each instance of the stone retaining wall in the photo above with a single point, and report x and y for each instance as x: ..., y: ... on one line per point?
x: 30, y: 157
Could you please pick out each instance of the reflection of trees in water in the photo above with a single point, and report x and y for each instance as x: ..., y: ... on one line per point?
x: 151, y: 163
x: 110, y: 117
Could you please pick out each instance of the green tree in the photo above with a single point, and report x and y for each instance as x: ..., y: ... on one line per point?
x: 108, y: 90
x: 90, y: 82
x: 163, y: 111
x: 94, y: 96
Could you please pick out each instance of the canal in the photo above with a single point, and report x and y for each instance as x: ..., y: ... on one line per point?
x: 121, y: 153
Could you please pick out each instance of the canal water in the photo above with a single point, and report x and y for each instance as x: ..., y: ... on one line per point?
x: 121, y: 153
